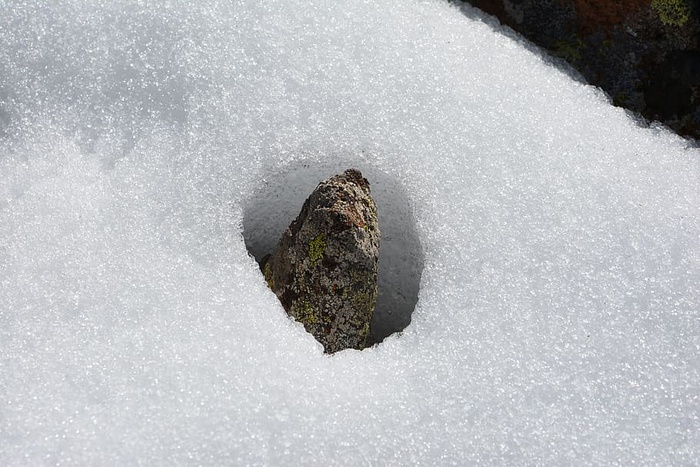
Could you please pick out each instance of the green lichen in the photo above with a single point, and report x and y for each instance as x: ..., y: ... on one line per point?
x: 569, y: 50
x: 365, y: 330
x: 620, y: 99
x: 267, y: 273
x: 672, y: 12
x: 363, y: 301
x: 317, y: 247
x: 305, y: 313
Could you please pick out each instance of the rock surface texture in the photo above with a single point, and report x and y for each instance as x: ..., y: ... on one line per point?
x: 645, y: 54
x: 324, y: 268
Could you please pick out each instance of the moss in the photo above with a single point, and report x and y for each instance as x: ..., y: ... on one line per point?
x: 317, y: 247
x: 672, y: 12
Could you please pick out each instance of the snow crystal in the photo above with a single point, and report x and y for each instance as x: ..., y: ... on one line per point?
x: 542, y: 244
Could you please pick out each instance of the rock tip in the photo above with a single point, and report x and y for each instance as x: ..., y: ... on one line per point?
x: 355, y: 176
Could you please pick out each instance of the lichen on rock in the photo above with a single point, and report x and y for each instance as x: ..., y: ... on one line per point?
x: 324, y: 268
x: 672, y: 12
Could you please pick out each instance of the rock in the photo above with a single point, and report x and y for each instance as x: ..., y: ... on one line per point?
x: 643, y: 53
x: 324, y: 268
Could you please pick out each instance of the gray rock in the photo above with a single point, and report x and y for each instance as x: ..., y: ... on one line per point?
x: 644, y: 54
x: 324, y: 268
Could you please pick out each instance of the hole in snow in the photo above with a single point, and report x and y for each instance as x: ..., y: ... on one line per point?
x: 279, y: 199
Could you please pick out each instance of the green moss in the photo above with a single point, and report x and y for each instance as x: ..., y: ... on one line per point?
x: 317, y: 247
x: 672, y: 12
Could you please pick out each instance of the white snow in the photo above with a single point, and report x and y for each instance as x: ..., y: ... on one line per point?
x: 143, y: 143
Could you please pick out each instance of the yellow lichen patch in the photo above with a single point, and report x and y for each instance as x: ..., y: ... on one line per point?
x: 363, y: 301
x: 672, y: 12
x: 267, y: 273
x: 305, y: 313
x: 317, y: 247
x: 365, y: 329
x: 326, y: 318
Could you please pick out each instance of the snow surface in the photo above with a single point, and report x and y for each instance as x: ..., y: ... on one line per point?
x: 143, y: 143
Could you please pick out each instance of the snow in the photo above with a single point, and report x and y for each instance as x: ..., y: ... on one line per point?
x: 551, y: 242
